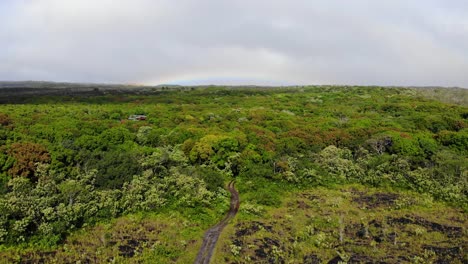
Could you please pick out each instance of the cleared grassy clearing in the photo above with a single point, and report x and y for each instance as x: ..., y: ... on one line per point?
x: 350, y: 223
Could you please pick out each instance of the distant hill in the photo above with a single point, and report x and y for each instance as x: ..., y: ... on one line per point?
x: 44, y: 84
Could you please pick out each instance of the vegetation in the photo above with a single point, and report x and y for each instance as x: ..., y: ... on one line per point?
x: 347, y: 223
x: 325, y: 162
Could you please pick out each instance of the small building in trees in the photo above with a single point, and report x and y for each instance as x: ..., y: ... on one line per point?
x: 137, y: 117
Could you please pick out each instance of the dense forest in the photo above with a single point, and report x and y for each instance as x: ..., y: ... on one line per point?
x: 351, y: 174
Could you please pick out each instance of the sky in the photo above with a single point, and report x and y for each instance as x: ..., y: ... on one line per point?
x: 255, y: 42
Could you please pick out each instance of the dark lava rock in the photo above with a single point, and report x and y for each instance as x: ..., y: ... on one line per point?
x: 251, y: 228
x: 335, y: 260
x: 312, y: 259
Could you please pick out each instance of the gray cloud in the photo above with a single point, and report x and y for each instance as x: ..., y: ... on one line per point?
x: 398, y: 42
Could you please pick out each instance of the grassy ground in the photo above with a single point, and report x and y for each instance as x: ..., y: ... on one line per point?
x: 351, y: 224
x: 131, y: 239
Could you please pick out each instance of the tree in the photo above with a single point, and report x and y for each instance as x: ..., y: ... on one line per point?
x: 457, y: 140
x: 26, y: 156
x: 214, y: 148
x: 339, y: 162
x: 116, y: 135
x: 163, y: 158
x: 143, y: 134
x: 405, y: 144
x: 213, y: 178
x: 114, y: 168
x: 379, y: 144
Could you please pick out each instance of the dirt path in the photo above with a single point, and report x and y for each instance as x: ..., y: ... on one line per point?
x: 212, y: 235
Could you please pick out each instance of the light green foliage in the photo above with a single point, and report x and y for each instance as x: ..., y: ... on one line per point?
x: 142, y: 193
x: 252, y: 209
x: 163, y: 158
x: 339, y: 162
x: 215, y: 149
x: 186, y: 190
x: 235, y: 250
x: 116, y: 135
x: 406, y: 145
x: 143, y: 134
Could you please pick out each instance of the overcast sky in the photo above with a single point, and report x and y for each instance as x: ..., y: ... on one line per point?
x: 385, y: 42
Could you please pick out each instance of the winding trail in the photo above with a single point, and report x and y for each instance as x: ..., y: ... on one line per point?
x: 212, y: 235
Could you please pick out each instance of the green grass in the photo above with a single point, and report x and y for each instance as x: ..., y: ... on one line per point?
x: 309, y: 222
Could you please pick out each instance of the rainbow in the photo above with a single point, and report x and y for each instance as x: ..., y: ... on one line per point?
x: 225, y: 79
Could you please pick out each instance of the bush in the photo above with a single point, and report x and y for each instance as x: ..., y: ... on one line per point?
x: 213, y: 178
x: 114, y: 168
x: 5, y: 120
x: 267, y: 197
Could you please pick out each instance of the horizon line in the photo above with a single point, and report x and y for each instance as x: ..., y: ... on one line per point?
x: 221, y: 85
